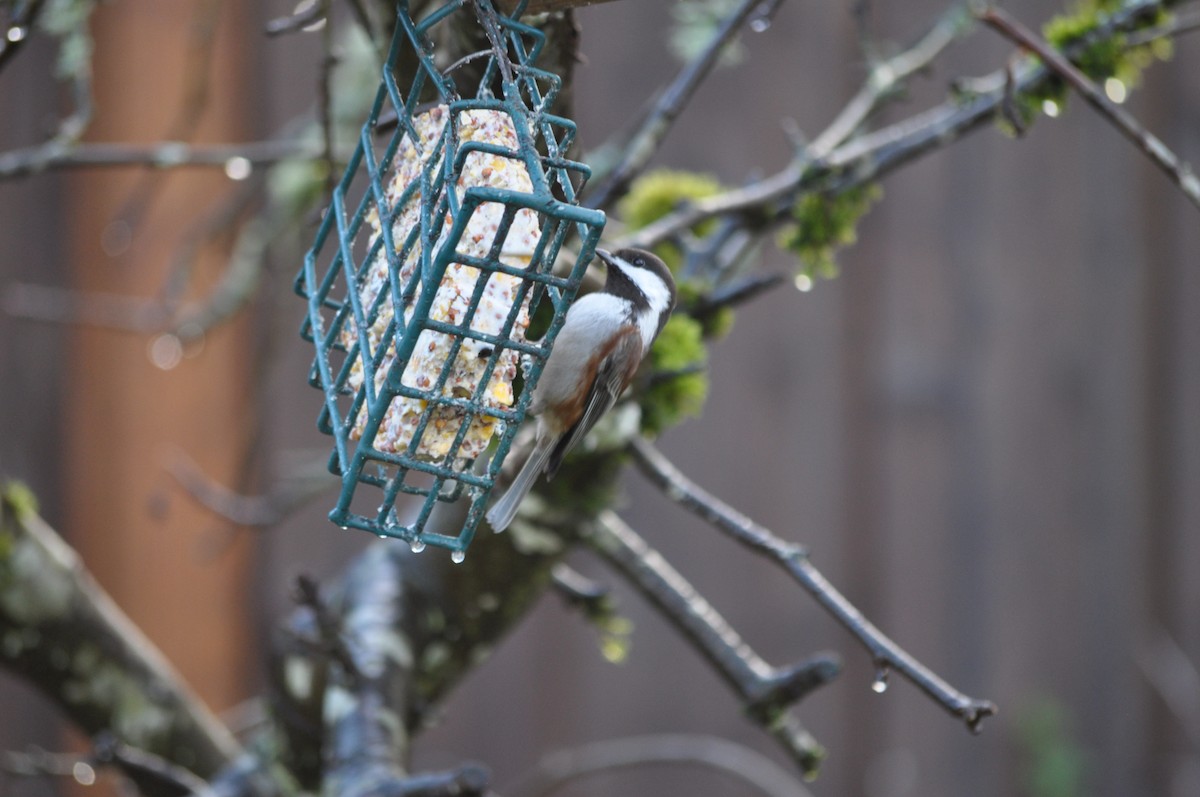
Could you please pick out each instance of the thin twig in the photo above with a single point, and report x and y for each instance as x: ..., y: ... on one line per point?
x: 1177, y: 25
x: 188, y: 322
x: 885, y: 653
x: 542, y: 6
x: 654, y: 127
x: 11, y: 43
x: 62, y: 306
x: 331, y: 643
x: 56, y: 154
x: 329, y: 62
x: 306, y: 16
x: 885, y: 78
x: 579, y: 590
x: 487, y: 20
x: 764, y: 15
x: 124, y: 672
x: 556, y: 770
x: 867, y: 157
x: 293, y: 492
x: 755, y: 202
x: 207, y: 228
x: 150, y: 773
x: 1179, y: 171
x: 35, y: 762
x: 735, y: 293
x: 766, y: 691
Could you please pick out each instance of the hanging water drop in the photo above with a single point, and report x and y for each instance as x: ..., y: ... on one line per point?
x: 16, y: 33
x: 238, y: 168
x: 83, y: 773
x: 880, y: 684
x: 417, y: 546
x: 1116, y: 90
x: 165, y: 351
x: 458, y: 557
x: 760, y: 24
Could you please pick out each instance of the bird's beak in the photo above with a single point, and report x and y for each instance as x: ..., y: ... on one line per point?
x: 606, y: 256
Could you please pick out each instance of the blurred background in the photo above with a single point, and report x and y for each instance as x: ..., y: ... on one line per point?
x: 986, y: 429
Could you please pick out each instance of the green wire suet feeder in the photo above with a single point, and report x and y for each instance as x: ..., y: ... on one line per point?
x: 436, y: 249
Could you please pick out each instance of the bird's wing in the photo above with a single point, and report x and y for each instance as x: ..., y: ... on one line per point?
x: 612, y: 376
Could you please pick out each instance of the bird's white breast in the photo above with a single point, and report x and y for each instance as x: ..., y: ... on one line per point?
x: 590, y: 322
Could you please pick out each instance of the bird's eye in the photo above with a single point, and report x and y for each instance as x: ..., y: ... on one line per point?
x: 639, y: 263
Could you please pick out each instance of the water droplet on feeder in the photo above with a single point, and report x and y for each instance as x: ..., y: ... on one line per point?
x: 880, y: 684
x: 383, y: 536
x: 1050, y: 108
x: 165, y: 351
x: 16, y: 33
x: 417, y: 546
x: 458, y: 557
x: 760, y: 24
x: 804, y: 283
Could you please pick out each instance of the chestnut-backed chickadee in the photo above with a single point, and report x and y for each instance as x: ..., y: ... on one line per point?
x: 602, y: 341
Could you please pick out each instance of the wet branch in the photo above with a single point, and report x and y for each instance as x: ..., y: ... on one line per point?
x: 557, y: 769
x: 766, y: 691
x: 292, y: 492
x: 1179, y: 171
x: 885, y: 653
x: 652, y: 130
x: 860, y: 159
x: 58, y: 154
x: 21, y: 22
x: 91, y: 660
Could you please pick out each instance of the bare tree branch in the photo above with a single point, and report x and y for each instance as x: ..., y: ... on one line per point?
x: 542, y: 6
x: 652, y: 130
x: 766, y: 691
x: 759, y: 198
x: 151, y: 774
x: 1179, y: 24
x: 329, y: 62
x: 866, y: 157
x: 306, y: 16
x: 57, y: 154
x: 1179, y: 171
x: 90, y: 659
x: 293, y: 491
x: 556, y: 770
x: 886, y: 77
x: 885, y: 653
x: 17, y: 31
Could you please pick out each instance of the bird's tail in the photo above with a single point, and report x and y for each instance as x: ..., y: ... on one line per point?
x: 503, y: 511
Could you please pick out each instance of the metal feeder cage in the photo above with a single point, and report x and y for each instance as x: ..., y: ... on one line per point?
x: 436, y: 249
